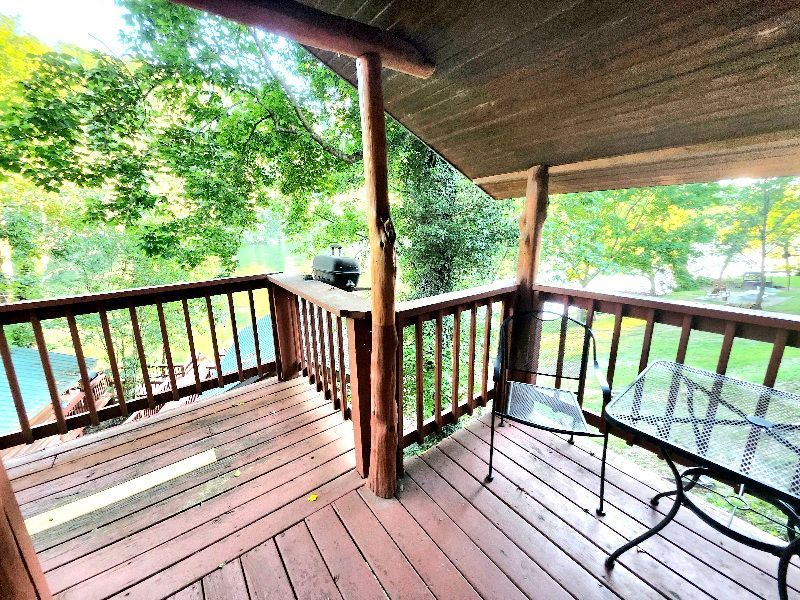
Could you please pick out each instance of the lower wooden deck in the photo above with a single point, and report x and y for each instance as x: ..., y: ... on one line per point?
x: 281, y: 513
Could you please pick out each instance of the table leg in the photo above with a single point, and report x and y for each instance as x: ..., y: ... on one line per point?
x: 694, y: 473
x: 679, y: 491
x: 783, y: 567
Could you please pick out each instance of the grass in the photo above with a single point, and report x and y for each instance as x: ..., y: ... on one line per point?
x: 748, y: 361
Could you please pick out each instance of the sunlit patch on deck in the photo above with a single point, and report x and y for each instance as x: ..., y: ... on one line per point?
x: 78, y: 508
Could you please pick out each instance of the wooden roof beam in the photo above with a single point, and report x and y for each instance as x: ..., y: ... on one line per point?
x: 765, y: 155
x: 321, y: 30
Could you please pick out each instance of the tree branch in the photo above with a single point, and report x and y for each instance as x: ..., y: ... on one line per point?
x: 295, y: 102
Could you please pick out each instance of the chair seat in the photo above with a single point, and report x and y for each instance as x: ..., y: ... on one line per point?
x: 545, y: 407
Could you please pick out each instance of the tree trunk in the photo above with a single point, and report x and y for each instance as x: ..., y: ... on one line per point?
x: 763, y: 238
x: 382, y: 478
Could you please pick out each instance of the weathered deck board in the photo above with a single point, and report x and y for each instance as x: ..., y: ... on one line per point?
x: 247, y: 527
x: 698, y: 555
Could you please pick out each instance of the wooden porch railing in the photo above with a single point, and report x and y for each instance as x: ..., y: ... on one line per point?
x: 324, y: 334
x: 130, y: 304
x: 684, y: 318
x: 465, y: 326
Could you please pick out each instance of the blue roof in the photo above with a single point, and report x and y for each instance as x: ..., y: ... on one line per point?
x: 247, y: 347
x: 32, y: 384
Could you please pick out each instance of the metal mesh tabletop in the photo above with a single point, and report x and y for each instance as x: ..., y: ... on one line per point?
x: 548, y: 407
x: 747, y: 429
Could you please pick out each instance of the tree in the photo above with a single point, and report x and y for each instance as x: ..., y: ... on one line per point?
x: 188, y: 135
x: 652, y: 232
x: 765, y: 216
x: 450, y: 233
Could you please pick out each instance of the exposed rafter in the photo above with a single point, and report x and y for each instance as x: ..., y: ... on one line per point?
x: 321, y: 30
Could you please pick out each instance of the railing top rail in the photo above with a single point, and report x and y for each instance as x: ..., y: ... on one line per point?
x: 334, y: 300
x: 726, y: 313
x: 18, y: 312
x: 412, y: 308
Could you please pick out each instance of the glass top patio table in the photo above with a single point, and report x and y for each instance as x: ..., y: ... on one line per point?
x: 747, y: 431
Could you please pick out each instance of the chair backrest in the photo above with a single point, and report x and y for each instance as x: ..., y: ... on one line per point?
x: 546, y: 343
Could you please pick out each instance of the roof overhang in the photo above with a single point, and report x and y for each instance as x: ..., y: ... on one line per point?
x: 609, y: 94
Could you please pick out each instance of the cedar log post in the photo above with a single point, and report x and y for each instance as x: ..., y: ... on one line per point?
x: 21, y: 576
x: 531, y: 222
x: 382, y: 478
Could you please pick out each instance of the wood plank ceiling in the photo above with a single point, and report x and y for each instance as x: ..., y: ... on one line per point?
x: 563, y: 82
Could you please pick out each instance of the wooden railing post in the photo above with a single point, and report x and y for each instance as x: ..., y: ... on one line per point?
x: 286, y: 322
x: 383, y: 468
x: 359, y: 342
x: 531, y: 222
x: 21, y: 575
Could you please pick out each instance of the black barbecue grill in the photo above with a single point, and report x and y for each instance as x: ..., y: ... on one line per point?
x: 337, y: 270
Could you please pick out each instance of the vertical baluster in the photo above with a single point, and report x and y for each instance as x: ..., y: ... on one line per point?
x: 437, y: 386
x: 487, y: 339
x: 612, y: 352
x: 323, y: 359
x: 187, y: 320
x: 299, y: 333
x: 303, y: 333
x: 332, y: 358
x: 647, y: 340
x: 254, y: 321
x: 775, y: 358
x: 306, y: 344
x: 235, y: 333
x: 562, y: 340
x: 585, y: 360
x: 88, y: 396
x: 318, y: 377
x: 399, y: 392
x: 727, y: 346
x: 456, y: 360
x: 13, y: 385
x: 342, y: 367
x: 214, y: 344
x: 683, y: 343
x: 473, y: 315
x: 420, y: 379
x: 162, y: 323
x: 778, y: 346
x: 137, y: 338
x: 672, y: 398
x: 716, y: 388
x: 275, y: 337
x: 48, y: 374
x: 112, y: 363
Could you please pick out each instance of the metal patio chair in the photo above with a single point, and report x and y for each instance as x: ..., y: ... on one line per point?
x: 545, y: 343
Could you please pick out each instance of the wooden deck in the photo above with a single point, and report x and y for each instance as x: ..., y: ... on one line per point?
x: 281, y: 513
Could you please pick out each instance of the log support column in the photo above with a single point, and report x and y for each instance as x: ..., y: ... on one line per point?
x: 21, y: 576
x: 531, y: 222
x: 382, y: 479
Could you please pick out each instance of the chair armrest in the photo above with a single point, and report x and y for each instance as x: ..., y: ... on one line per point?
x: 604, y: 387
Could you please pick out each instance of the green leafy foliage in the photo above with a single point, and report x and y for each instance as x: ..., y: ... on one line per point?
x: 649, y: 232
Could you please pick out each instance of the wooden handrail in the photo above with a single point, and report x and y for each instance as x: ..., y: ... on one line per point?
x: 128, y: 301
x: 408, y: 310
x: 335, y: 301
x: 20, y: 312
x: 707, y: 317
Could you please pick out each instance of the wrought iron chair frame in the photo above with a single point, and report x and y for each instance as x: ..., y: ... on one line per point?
x: 500, y: 380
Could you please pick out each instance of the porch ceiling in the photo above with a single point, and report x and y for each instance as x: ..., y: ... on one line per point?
x: 568, y: 81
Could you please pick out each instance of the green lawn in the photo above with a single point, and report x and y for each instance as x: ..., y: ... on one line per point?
x: 748, y: 361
